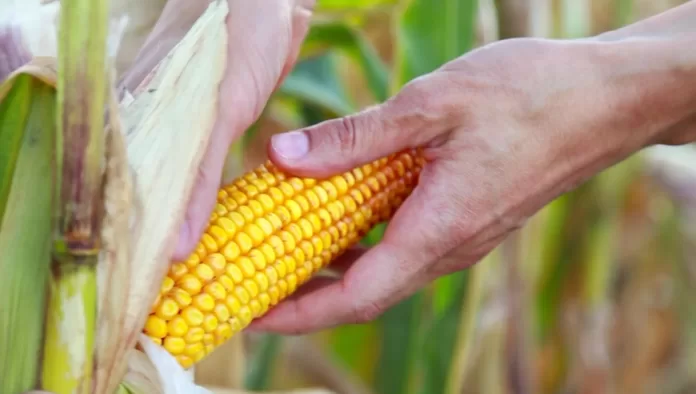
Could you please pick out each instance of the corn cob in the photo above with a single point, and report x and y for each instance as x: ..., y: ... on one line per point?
x: 269, y: 233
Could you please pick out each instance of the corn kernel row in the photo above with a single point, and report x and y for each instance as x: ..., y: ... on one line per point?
x: 269, y: 233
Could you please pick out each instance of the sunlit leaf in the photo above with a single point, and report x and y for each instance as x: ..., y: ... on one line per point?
x: 431, y: 33
x: 342, y: 5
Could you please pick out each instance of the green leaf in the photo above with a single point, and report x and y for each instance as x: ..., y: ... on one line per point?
x: 260, y: 368
x: 14, y: 114
x: 401, y: 327
x: 353, y: 5
x: 315, y: 81
x: 432, y: 32
x: 341, y: 37
x: 442, y: 335
x: 28, y: 111
x: 356, y: 347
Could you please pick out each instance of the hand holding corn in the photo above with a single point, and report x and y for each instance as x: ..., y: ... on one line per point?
x: 264, y: 42
x: 504, y: 129
x: 457, y: 160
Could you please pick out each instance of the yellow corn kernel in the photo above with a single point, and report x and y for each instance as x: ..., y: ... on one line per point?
x: 193, y: 316
x: 194, y: 335
x: 204, y: 302
x: 174, y: 345
x: 185, y: 361
x: 156, y: 327
x: 177, y: 326
x: 167, y: 309
x: 268, y: 234
x: 190, y: 284
x: 216, y: 262
x: 181, y: 297
x: 178, y: 270
x: 193, y: 349
x: 222, y: 312
x: 167, y: 284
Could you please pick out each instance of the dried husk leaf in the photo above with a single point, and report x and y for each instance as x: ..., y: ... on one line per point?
x: 114, y: 269
x: 167, y: 124
x: 142, y: 376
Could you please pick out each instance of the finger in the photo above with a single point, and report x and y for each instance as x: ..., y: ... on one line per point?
x: 409, y: 120
x: 246, y: 83
x: 385, y: 274
x: 347, y: 259
x: 315, y: 284
x: 340, y: 266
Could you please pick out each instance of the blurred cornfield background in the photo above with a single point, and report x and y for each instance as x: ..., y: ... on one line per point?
x: 594, y: 295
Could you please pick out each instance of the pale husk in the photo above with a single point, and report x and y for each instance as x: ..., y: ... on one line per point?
x: 167, y: 123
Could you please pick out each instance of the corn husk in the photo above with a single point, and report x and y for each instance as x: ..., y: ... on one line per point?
x: 166, y: 135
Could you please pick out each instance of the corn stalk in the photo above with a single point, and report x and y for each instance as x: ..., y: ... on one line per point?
x: 68, y: 355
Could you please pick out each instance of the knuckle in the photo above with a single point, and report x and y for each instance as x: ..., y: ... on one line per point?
x: 367, y: 312
x: 424, y: 102
x: 360, y: 309
x: 346, y: 135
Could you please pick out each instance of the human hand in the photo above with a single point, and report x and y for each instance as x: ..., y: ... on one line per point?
x: 505, y: 129
x: 264, y: 43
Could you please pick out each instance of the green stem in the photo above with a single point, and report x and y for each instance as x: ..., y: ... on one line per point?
x: 82, y: 90
x: 71, y: 322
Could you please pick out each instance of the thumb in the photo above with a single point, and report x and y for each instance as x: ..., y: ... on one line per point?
x: 341, y: 144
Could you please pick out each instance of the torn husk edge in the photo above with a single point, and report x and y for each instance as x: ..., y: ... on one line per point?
x: 166, y: 135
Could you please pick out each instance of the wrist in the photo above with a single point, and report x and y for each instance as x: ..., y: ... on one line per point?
x: 654, y: 83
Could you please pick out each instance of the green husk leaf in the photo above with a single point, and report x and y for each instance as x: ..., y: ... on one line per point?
x: 27, y: 117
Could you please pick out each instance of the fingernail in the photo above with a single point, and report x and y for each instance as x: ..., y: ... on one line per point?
x: 293, y: 145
